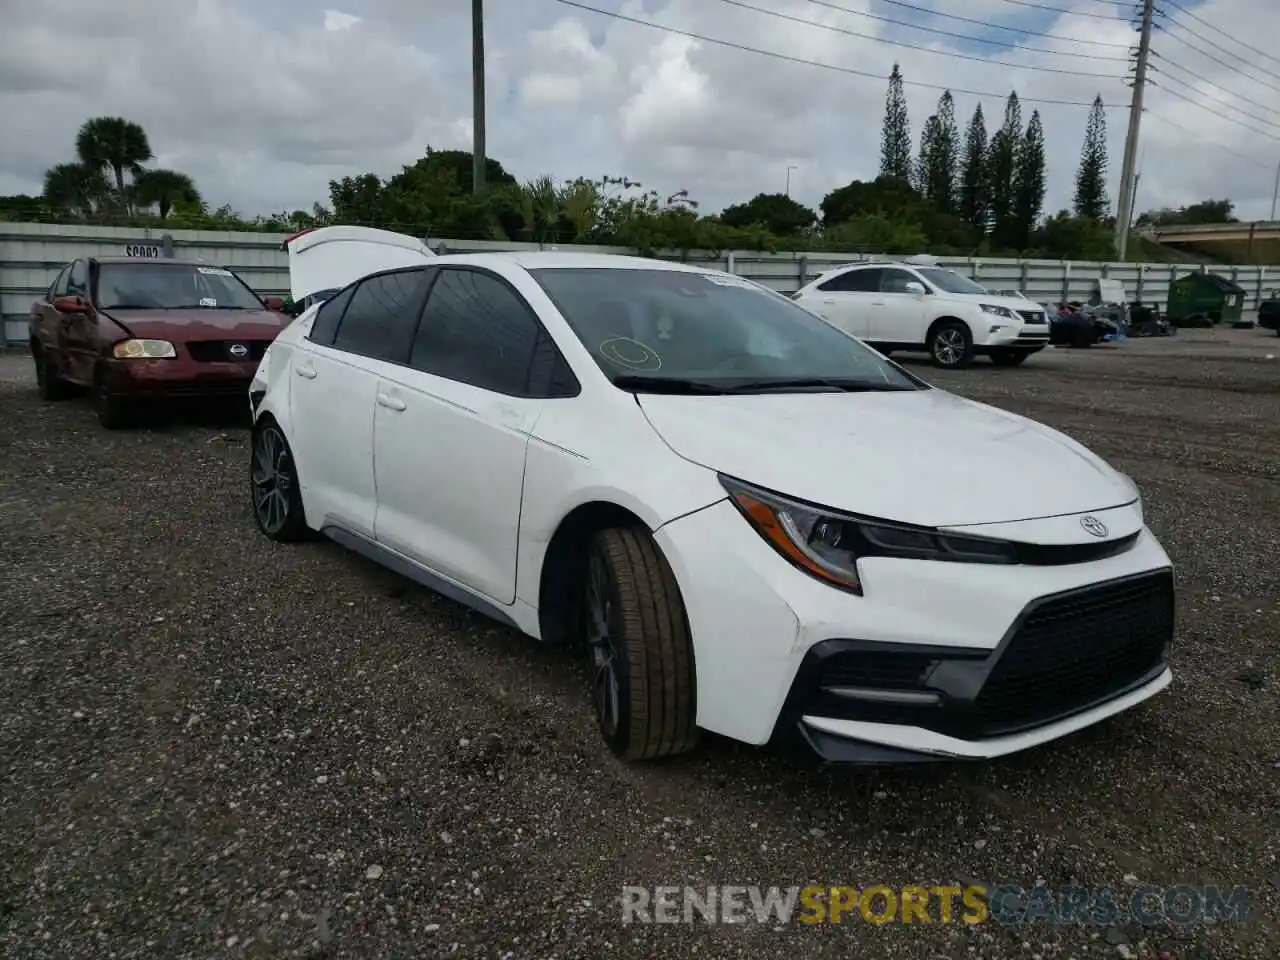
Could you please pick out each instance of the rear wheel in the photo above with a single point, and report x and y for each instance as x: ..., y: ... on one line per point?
x: 639, y: 650
x: 1008, y: 358
x: 273, y: 485
x: 951, y: 345
x: 48, y: 381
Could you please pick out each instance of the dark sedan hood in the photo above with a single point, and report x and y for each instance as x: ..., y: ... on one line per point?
x: 205, y: 323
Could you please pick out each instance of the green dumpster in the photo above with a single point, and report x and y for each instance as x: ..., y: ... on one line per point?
x: 1203, y: 299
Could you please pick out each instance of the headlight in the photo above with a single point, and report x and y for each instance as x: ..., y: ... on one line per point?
x: 827, y: 544
x: 143, y: 350
x: 998, y: 311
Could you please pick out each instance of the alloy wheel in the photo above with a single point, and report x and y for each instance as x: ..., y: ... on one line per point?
x: 272, y: 479
x: 948, y: 346
x: 604, y: 651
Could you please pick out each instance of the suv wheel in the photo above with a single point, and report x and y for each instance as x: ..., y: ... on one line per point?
x: 638, y: 648
x: 950, y: 345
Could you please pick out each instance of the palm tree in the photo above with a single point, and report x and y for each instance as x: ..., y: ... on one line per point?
x: 75, y: 188
x: 115, y: 144
x: 164, y: 189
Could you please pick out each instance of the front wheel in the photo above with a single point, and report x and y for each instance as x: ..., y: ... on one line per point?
x: 114, y: 412
x: 951, y: 345
x: 273, y: 485
x: 639, y: 649
x: 1008, y: 358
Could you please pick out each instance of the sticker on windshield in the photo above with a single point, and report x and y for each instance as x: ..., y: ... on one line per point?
x: 208, y: 302
x: 631, y: 354
x: 214, y: 271
x: 728, y: 280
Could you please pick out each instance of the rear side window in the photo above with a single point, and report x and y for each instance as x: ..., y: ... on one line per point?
x: 380, y: 319
x: 59, y: 285
x: 477, y: 330
x: 854, y: 281
x: 78, y: 282
x: 327, y: 318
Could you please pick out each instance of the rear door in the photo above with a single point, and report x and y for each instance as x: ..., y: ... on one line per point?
x: 846, y: 299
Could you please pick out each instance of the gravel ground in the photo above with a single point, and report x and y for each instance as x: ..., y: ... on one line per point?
x: 213, y: 746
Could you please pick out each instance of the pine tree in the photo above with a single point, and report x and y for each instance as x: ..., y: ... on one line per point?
x: 895, y: 139
x: 1091, y: 181
x: 924, y: 165
x: 946, y: 162
x: 1002, y: 167
x: 1029, y: 186
x: 975, y: 195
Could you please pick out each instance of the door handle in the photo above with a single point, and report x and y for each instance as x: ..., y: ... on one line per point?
x: 390, y: 402
x: 828, y: 299
x: 308, y: 372
x: 877, y: 303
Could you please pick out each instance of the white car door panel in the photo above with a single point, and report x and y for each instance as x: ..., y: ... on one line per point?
x: 331, y: 410
x: 847, y: 300
x: 898, y: 318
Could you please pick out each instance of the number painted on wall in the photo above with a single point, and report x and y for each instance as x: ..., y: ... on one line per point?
x: 141, y: 250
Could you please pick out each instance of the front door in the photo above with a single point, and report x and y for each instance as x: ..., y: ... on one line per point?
x: 898, y: 316
x: 78, y: 330
x: 451, y: 432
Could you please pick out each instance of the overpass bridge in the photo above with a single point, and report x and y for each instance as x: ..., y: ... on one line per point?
x: 1257, y: 242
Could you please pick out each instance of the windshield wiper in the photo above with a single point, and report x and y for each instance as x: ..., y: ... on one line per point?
x: 842, y: 384
x: 668, y: 385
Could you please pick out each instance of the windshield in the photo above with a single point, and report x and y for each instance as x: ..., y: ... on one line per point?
x: 708, y: 331
x: 171, y: 286
x: 948, y: 281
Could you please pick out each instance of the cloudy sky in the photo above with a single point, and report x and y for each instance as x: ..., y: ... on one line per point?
x: 263, y: 101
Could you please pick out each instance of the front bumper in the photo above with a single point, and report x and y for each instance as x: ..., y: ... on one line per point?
x: 1006, y: 335
x: 178, y: 377
x: 935, y: 660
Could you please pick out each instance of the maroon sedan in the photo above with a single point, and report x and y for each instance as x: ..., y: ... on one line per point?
x: 137, y: 331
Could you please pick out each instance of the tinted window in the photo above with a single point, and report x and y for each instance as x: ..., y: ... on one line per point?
x: 77, y: 282
x: 709, y: 328
x: 948, y: 281
x: 477, y: 330
x: 855, y: 281
x: 171, y: 286
x: 380, y: 319
x: 325, y: 324
x: 895, y: 281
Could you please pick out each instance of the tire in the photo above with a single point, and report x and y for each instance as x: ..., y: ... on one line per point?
x: 1008, y: 358
x: 48, y: 381
x: 1083, y: 339
x: 114, y: 412
x: 638, y: 648
x: 950, y: 345
x: 274, y: 492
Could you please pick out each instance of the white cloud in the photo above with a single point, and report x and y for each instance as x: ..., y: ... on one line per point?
x: 263, y: 106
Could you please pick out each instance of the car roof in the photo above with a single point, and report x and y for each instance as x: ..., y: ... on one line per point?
x: 557, y: 259
x: 165, y: 260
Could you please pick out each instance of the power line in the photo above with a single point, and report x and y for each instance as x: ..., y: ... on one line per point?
x: 1240, y: 43
x: 1236, y: 67
x: 917, y: 47
x: 1205, y: 140
x: 1215, y: 96
x: 787, y: 58
x: 1221, y: 115
x: 1064, y: 12
x: 916, y: 8
x: 951, y: 34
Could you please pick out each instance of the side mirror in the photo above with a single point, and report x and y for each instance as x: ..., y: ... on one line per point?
x: 274, y: 303
x: 72, y: 304
x: 915, y: 289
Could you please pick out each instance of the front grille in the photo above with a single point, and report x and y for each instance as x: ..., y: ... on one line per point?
x: 1077, y: 649
x: 1032, y: 316
x: 1033, y: 340
x: 882, y: 670
x: 1052, y: 555
x: 219, y: 351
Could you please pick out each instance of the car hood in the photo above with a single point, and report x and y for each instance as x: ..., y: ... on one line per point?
x: 200, y: 324
x: 923, y: 457
x: 329, y: 258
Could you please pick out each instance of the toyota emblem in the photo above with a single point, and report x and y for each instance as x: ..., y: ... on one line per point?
x: 240, y: 351
x: 1093, y: 526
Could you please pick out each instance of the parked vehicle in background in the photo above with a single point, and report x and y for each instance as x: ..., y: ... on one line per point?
x: 1269, y: 314
x: 910, y: 307
x: 748, y: 521
x: 138, y: 331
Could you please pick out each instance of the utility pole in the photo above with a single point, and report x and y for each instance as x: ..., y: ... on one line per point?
x: 477, y: 97
x: 1127, y: 181
x: 789, y: 169
x: 1275, y: 194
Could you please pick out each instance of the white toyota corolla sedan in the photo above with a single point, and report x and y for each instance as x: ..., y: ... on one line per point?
x: 749, y: 522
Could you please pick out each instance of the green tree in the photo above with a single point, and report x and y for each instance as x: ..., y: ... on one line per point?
x: 1067, y: 237
x: 1002, y: 168
x: 920, y: 170
x: 895, y: 138
x: 940, y: 156
x: 975, y: 187
x: 164, y: 190
x: 75, y: 189
x: 1029, y: 181
x: 1091, y: 180
x: 113, y: 144
x: 1206, y: 211
x: 775, y: 212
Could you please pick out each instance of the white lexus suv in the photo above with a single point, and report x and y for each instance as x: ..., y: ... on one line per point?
x: 748, y: 521
x: 902, y: 306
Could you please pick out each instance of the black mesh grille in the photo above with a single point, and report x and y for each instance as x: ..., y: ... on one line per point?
x: 895, y: 670
x: 211, y: 351
x: 1032, y: 316
x: 1079, y: 648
